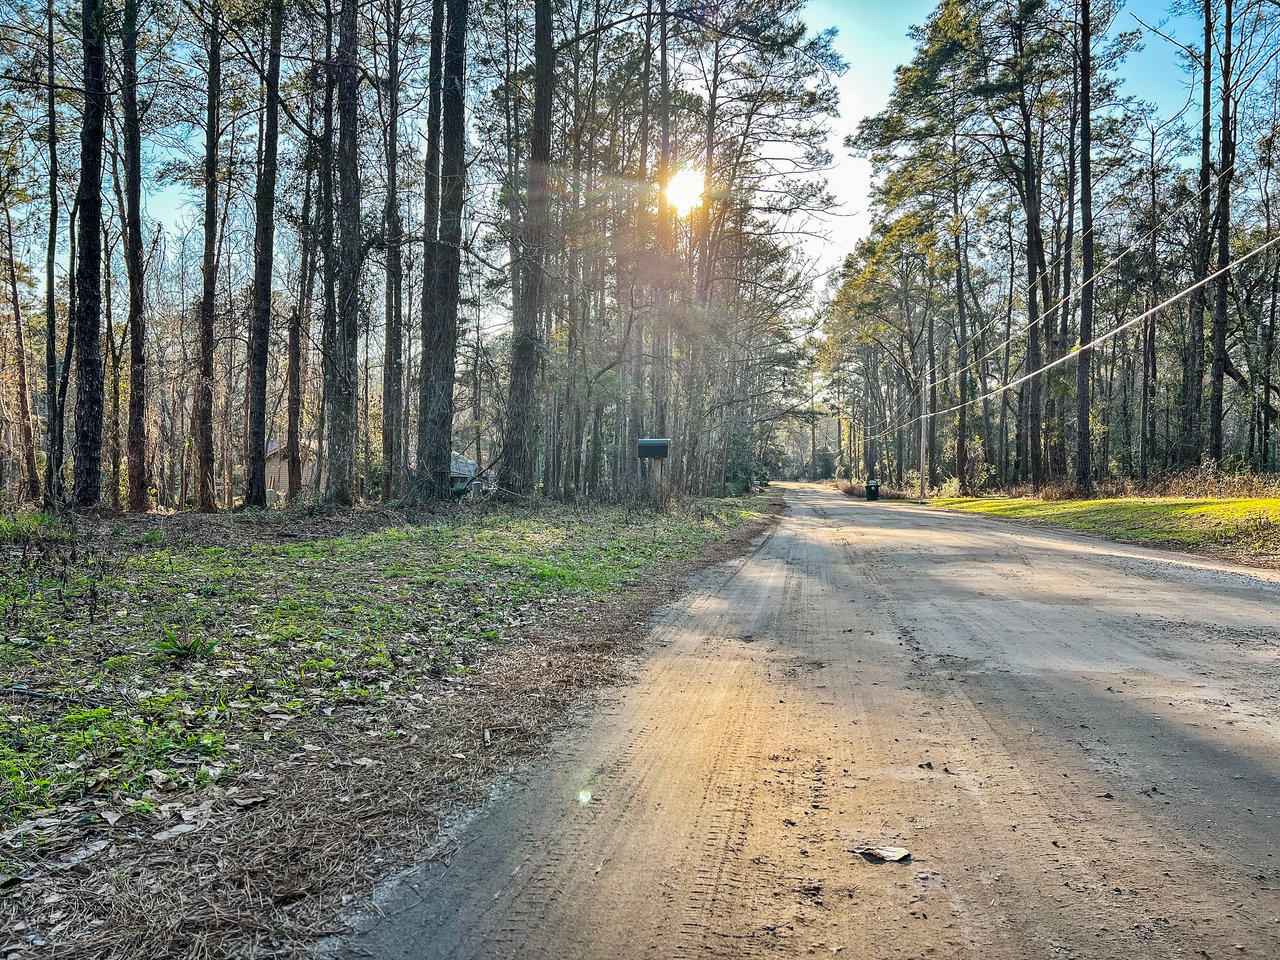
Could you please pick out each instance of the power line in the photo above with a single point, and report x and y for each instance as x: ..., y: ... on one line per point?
x: 1067, y: 358
x: 1075, y: 291
x: 1071, y: 295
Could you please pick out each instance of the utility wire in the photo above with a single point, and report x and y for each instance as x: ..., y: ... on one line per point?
x: 1071, y: 295
x: 1075, y: 291
x: 1067, y: 358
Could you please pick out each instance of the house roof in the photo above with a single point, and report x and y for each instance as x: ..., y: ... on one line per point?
x: 277, y: 449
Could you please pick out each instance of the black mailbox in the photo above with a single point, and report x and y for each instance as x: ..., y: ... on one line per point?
x: 653, y: 449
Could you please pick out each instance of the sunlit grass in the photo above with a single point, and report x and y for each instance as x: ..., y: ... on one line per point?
x: 149, y: 662
x: 1248, y: 524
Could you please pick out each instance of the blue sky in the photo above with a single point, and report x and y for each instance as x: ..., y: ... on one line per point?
x: 873, y: 39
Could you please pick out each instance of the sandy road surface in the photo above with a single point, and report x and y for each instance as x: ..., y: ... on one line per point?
x: 1077, y: 741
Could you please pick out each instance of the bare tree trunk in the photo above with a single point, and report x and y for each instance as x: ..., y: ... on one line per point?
x: 53, y: 481
x: 342, y: 395
x: 113, y: 364
x: 263, y: 266
x: 1034, y: 406
x: 393, y: 364
x: 518, y: 444
x: 299, y: 323
x: 139, y: 483
x: 1084, y: 444
x: 1192, y: 428
x: 330, y: 371
x: 88, y: 278
x: 1226, y: 160
x: 962, y: 320
x: 1148, y: 326
x: 431, y: 236
x: 25, y: 432
x: 441, y: 344
x: 660, y: 369
x: 202, y: 415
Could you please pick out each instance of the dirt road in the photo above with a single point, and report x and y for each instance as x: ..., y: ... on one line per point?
x: 1077, y: 741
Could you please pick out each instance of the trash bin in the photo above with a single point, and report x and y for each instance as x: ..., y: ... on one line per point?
x: 873, y: 489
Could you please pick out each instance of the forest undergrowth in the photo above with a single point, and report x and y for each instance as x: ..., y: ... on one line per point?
x: 246, y: 721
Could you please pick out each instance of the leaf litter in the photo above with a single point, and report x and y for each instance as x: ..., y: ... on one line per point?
x: 323, y: 787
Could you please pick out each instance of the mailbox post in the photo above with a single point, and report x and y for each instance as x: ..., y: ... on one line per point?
x: 656, y: 449
x: 653, y: 449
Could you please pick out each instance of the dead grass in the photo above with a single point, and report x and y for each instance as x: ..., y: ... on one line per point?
x: 1201, y: 483
x: 857, y: 490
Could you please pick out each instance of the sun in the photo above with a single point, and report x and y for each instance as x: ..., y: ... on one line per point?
x: 684, y: 190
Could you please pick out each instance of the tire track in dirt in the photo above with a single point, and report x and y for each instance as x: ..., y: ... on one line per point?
x: 872, y: 673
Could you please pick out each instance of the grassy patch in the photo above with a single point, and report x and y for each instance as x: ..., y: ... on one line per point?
x: 1246, y: 525
x: 137, y: 669
x: 29, y: 524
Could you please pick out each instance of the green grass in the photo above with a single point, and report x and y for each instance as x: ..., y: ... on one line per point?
x: 159, y: 666
x: 33, y: 523
x: 1250, y: 526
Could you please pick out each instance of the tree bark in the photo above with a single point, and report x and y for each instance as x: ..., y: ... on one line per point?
x: 441, y: 343
x: 1193, y: 387
x: 263, y: 266
x: 202, y: 415
x: 53, y: 478
x: 329, y: 272
x: 88, y: 277
x: 139, y: 483
x: 431, y: 237
x: 299, y: 324
x: 342, y: 397
x: 26, y: 433
x: 393, y: 364
x: 1226, y: 161
x: 1084, y: 444
x: 518, y: 444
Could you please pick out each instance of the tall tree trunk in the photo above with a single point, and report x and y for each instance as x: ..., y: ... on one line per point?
x: 113, y: 364
x: 1226, y: 160
x: 88, y: 277
x: 329, y: 274
x: 1192, y: 428
x: 1084, y: 446
x: 518, y: 444
x: 26, y: 434
x: 660, y: 369
x: 53, y: 480
x: 442, y: 341
x: 139, y: 483
x: 264, y: 235
x: 1035, y: 257
x: 962, y: 321
x: 431, y: 238
x: 1148, y: 326
x: 299, y: 325
x: 202, y: 415
x: 342, y: 398
x: 393, y: 363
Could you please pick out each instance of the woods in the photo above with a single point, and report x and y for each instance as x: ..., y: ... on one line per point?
x: 300, y: 253
x: 320, y: 251
x: 1114, y: 312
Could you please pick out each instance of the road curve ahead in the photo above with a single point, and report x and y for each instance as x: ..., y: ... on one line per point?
x: 1076, y: 741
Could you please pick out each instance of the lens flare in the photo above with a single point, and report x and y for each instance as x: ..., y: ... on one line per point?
x: 685, y: 191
